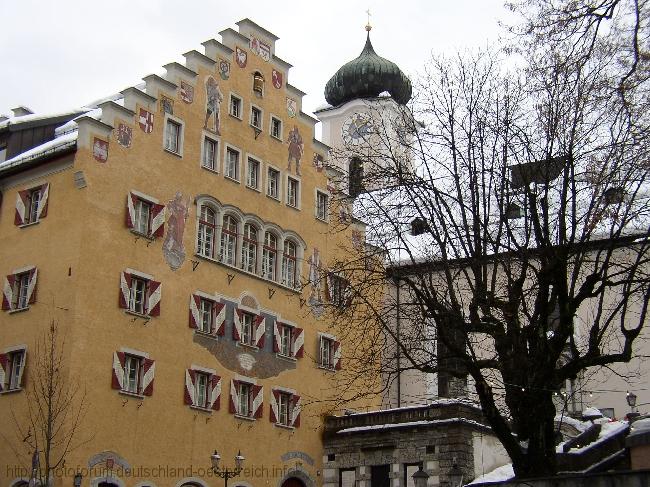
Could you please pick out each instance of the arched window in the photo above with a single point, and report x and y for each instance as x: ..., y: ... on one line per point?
x: 289, y: 264
x: 355, y: 176
x: 269, y: 256
x: 229, y: 240
x: 207, y: 231
x: 249, y: 249
x: 258, y: 83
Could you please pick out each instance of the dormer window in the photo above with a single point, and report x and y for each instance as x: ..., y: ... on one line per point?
x: 258, y: 84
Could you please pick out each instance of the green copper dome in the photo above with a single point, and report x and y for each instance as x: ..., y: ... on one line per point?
x: 366, y: 77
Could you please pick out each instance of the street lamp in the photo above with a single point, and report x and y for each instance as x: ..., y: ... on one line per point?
x: 226, y: 473
x: 420, y: 478
x: 631, y: 400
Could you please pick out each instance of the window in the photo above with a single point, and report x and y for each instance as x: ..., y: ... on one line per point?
x: 338, y: 290
x: 206, y: 315
x: 256, y: 117
x: 289, y: 340
x: 321, y: 205
x: 273, y: 183
x: 19, y: 289
x: 249, y: 249
x: 258, y: 84
x: 228, y: 240
x: 31, y: 205
x: 355, y: 175
x: 173, y: 133
x: 210, y: 151
x: 12, y: 365
x: 253, y: 173
x: 207, y: 231
x: 202, y: 388
x: 269, y: 256
x: 289, y: 264
x: 133, y: 373
x: 244, y: 394
x: 139, y: 293
x: 329, y: 356
x: 276, y: 128
x: 144, y: 215
x: 347, y: 477
x: 285, y: 408
x: 247, y: 329
x: 293, y: 192
x: 235, y: 106
x: 246, y: 399
x: 232, y: 164
x: 286, y: 333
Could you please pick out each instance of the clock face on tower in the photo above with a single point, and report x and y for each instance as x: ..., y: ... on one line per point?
x: 356, y: 129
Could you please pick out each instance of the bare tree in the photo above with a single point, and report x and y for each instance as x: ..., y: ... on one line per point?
x: 47, y: 428
x: 514, y: 217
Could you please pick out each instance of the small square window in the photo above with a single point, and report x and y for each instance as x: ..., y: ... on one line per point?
x: 253, y: 173
x: 138, y: 295
x: 273, y: 183
x: 235, y: 106
x: 13, y: 378
x: 201, y: 396
x: 276, y: 128
x: 284, y: 401
x: 339, y: 290
x: 326, y: 353
x: 173, y: 134
x: 293, y: 192
x: 247, y: 329
x: 132, y: 365
x: 206, y: 315
x: 322, y: 204
x: 142, y: 223
x: 209, y: 156
x: 244, y: 393
x: 232, y: 164
x: 21, y: 291
x: 286, y: 334
x: 256, y: 117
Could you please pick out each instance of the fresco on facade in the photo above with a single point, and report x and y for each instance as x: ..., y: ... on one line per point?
x: 145, y: 121
x: 166, y: 104
x: 124, y: 135
x: 241, y: 57
x: 292, y: 107
x: 319, y: 163
x: 100, y: 150
x: 296, y: 148
x: 276, y: 77
x: 315, y: 300
x: 172, y: 248
x: 213, y: 99
x: 224, y: 69
x: 187, y: 92
x: 358, y: 239
x: 260, y: 48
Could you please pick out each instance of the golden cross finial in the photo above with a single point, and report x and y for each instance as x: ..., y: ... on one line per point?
x: 368, y: 26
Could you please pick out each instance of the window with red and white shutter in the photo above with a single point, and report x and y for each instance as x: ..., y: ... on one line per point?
x: 207, y: 315
x: 285, y: 406
x: 139, y: 293
x: 329, y: 354
x: 255, y: 336
x: 19, y: 289
x: 31, y: 204
x: 288, y: 339
x: 144, y: 215
x: 202, y: 389
x: 246, y: 399
x: 12, y: 368
x: 133, y: 373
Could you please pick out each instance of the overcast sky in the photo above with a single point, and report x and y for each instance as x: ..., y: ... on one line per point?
x: 62, y: 54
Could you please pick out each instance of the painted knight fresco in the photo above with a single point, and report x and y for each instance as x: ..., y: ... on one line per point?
x: 214, y: 97
x: 296, y: 148
x: 315, y: 299
x: 173, y: 249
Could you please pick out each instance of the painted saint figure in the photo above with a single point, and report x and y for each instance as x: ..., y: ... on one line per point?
x: 315, y: 299
x: 172, y: 247
x: 214, y: 97
x: 296, y: 148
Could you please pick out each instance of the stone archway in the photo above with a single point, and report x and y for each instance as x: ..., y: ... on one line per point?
x: 296, y: 477
x: 293, y: 482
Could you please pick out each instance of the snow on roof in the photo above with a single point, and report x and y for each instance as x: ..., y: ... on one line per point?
x: 607, y: 430
x: 576, y: 423
x: 433, y: 422
x: 441, y: 401
x: 36, y: 117
x: 500, y: 474
x: 640, y: 426
x: 95, y: 113
x: 51, y: 147
x: 592, y: 412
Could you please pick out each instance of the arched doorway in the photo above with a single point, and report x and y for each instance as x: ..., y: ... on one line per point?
x: 106, y: 483
x: 293, y: 482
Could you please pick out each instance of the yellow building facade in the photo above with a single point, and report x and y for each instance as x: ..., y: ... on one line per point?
x: 177, y: 233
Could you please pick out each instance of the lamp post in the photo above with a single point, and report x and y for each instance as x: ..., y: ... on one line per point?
x: 631, y: 400
x: 226, y: 473
x: 420, y: 478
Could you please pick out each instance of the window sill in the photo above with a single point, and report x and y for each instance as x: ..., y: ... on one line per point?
x: 143, y: 235
x: 229, y: 178
x: 256, y: 189
x: 245, y: 418
x: 279, y: 139
x: 274, y: 198
x: 297, y: 208
x: 327, y: 369
x: 256, y: 127
x: 247, y: 345
x: 202, y: 409
x: 206, y: 335
x: 11, y: 391
x: 17, y: 310
x: 30, y: 224
x: 235, y: 116
x: 285, y: 426
x: 131, y: 394
x: 135, y: 313
x: 177, y: 154
x: 214, y: 171
x: 286, y: 357
x: 322, y: 220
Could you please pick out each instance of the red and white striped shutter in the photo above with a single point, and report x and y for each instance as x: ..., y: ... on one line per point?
x: 328, y: 286
x: 153, y: 303
x: 22, y: 369
x: 21, y: 207
x: 188, y: 395
x: 337, y: 355
x: 148, y: 370
x: 273, y: 403
x: 118, y: 371
x: 125, y: 289
x: 298, y: 345
x: 234, y: 396
x: 296, y: 405
x: 236, y: 324
x: 257, y: 403
x: 195, y: 317
x: 276, y: 336
x: 4, y: 362
x: 157, y: 220
x: 220, y: 318
x: 31, y: 286
x: 260, y: 331
x: 215, y: 393
x: 130, y: 209
x: 8, y: 292
x: 41, y: 211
